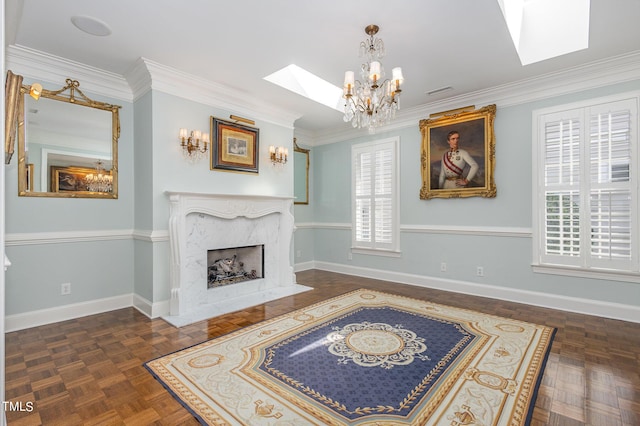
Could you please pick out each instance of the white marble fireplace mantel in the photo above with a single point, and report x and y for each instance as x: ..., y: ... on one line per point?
x: 200, y: 222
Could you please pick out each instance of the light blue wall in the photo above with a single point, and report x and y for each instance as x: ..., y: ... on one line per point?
x: 506, y: 259
x: 95, y: 269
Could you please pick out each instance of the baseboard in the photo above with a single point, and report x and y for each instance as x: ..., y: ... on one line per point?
x: 303, y: 266
x: 150, y: 309
x: 67, y: 312
x: 598, y: 308
x: 154, y: 310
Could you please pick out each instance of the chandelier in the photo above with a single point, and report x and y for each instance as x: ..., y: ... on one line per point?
x: 373, y: 101
x: 100, y: 181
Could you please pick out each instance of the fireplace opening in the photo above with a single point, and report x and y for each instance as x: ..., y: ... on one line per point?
x: 234, y: 265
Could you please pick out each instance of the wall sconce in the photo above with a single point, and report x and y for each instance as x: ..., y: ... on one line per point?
x: 190, y: 143
x: 278, y: 154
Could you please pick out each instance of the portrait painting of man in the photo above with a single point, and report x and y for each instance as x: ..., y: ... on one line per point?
x: 457, y: 155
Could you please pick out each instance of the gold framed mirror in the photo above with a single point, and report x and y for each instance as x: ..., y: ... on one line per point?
x: 301, y: 174
x: 67, y: 143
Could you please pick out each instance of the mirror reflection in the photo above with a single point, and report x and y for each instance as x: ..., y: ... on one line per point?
x: 301, y: 174
x: 67, y: 145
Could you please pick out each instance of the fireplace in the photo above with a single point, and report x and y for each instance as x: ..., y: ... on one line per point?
x: 234, y: 265
x: 199, y: 223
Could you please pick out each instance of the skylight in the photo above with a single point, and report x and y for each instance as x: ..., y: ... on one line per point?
x: 302, y: 82
x: 544, y: 29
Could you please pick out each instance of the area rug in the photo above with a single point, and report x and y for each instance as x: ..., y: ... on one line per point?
x: 364, y: 358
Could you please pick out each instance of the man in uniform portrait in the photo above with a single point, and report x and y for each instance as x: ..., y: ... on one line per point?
x: 453, y: 164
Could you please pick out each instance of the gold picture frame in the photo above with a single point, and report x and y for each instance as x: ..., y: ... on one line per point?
x: 235, y: 147
x: 71, y: 179
x: 450, y: 170
x: 12, y: 85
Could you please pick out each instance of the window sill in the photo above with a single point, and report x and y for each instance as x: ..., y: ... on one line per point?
x: 376, y: 252
x: 600, y: 274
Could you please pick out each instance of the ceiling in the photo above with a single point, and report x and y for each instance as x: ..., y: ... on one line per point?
x: 463, y: 44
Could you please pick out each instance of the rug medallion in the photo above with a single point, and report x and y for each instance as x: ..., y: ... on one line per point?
x: 364, y: 358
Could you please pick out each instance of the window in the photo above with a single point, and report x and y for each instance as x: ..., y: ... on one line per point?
x: 375, y: 197
x: 586, y: 186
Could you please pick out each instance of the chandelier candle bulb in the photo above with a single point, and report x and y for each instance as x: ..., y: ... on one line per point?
x: 348, y: 83
x: 375, y: 71
x: 397, y: 77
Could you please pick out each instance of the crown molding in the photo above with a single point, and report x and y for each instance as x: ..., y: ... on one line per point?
x: 618, y: 69
x: 37, y: 65
x: 148, y: 75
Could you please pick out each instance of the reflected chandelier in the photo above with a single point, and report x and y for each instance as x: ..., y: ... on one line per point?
x: 372, y: 102
x: 100, y: 181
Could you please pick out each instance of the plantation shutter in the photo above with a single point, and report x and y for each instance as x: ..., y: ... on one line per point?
x: 589, y: 193
x: 562, y: 187
x: 611, y: 194
x: 374, y: 201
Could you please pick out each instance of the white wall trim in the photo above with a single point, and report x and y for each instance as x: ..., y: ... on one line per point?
x: 554, y: 301
x: 148, y: 75
x: 151, y: 236
x: 150, y: 309
x: 592, y: 273
x: 304, y: 266
x: 66, y: 312
x: 154, y: 310
x: 482, y: 231
x: 324, y: 225
x: 22, y: 239
x: 36, y: 238
x: 39, y: 65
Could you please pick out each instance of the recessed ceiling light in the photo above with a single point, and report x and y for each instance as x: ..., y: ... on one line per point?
x: 91, y: 25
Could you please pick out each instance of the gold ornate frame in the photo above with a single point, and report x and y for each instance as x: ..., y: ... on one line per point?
x: 77, y: 97
x: 477, y: 138
x: 305, y: 153
x: 12, y: 86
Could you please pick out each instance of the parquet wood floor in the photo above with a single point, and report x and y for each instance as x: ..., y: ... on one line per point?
x: 89, y: 371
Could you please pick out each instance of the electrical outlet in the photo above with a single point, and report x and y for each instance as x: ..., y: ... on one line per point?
x: 443, y: 267
x: 480, y: 271
x: 65, y: 288
x: 299, y: 253
x: 349, y: 256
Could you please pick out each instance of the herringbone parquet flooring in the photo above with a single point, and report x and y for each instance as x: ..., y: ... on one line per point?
x: 89, y: 371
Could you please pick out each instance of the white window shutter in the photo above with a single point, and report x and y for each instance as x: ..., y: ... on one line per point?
x: 588, y: 199
x: 375, y: 191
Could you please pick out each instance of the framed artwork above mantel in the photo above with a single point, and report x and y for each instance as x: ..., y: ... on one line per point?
x: 235, y: 147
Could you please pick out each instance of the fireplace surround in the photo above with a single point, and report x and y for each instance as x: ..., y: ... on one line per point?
x: 199, y: 223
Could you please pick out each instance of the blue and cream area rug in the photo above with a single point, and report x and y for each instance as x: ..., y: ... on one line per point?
x: 364, y: 358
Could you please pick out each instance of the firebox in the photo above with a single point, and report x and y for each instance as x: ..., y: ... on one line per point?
x: 234, y: 265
